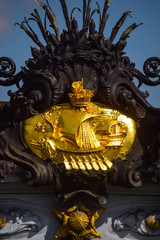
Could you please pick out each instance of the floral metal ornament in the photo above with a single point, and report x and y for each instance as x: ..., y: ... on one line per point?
x: 78, y: 222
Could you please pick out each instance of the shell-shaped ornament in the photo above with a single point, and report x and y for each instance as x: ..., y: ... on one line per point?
x: 78, y: 221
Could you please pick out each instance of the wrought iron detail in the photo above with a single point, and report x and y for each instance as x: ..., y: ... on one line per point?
x: 46, y: 81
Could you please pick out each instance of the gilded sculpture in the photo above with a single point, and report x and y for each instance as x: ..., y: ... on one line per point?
x: 82, y: 135
x: 78, y: 222
x: 153, y: 221
x: 47, y: 77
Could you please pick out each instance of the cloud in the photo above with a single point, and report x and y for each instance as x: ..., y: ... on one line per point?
x: 5, y: 27
x: 6, y: 24
x: 31, y: 3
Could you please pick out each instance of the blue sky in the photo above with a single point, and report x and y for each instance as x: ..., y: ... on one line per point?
x: 142, y: 44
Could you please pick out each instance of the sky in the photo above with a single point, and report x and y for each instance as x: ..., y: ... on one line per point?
x: 142, y: 44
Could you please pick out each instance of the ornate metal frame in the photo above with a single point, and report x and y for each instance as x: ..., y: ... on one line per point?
x: 46, y: 81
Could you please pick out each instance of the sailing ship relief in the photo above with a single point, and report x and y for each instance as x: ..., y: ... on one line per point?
x: 82, y: 135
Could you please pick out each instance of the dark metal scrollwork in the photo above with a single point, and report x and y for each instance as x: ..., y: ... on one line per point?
x: 126, y: 173
x: 7, y: 70
x: 48, y: 76
x: 7, y: 67
x: 151, y: 69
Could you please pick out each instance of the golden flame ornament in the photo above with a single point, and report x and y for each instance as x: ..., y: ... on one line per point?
x: 78, y: 222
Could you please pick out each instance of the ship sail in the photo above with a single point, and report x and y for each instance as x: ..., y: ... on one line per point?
x: 78, y: 129
x: 86, y: 138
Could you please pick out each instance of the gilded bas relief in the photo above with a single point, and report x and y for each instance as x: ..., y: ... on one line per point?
x: 82, y: 139
x: 81, y: 134
x: 78, y: 222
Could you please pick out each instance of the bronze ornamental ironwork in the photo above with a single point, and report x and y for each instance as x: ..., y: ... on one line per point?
x: 103, y: 128
x: 77, y: 120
